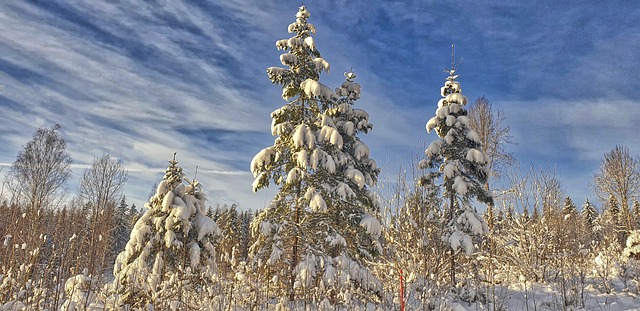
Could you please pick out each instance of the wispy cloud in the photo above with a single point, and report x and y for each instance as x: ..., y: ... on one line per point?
x: 141, y: 80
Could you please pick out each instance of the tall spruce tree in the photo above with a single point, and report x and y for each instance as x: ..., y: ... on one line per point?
x: 458, y: 159
x: 319, y: 229
x: 170, y: 247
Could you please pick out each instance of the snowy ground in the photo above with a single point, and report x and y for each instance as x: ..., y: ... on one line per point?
x: 542, y: 297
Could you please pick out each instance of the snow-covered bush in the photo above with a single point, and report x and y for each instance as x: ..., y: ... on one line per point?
x: 632, y: 246
x: 606, y: 266
x: 79, y: 292
x: 631, y: 260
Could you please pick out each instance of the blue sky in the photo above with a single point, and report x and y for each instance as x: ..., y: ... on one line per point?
x: 142, y: 79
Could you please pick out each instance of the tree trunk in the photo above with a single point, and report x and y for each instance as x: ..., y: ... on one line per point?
x: 294, y: 259
x: 453, y: 254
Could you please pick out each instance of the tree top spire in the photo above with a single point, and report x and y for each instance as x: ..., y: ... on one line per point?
x: 454, y: 66
x: 453, y: 53
x: 350, y: 75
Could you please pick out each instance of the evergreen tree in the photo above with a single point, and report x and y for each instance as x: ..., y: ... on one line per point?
x: 458, y: 159
x: 245, y: 234
x: 321, y: 220
x: 229, y: 245
x: 134, y: 214
x: 171, y: 246
x: 612, y: 222
x: 589, y: 213
x: 569, y: 207
x: 123, y: 225
x: 635, y: 210
x: 614, y: 207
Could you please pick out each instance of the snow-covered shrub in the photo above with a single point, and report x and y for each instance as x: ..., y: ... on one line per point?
x: 631, y: 261
x: 79, y: 292
x: 20, y: 286
x: 632, y: 246
x: 607, y: 266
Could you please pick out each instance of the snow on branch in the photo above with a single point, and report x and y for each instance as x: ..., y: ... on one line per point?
x: 433, y: 149
x: 473, y: 136
x: 344, y: 192
x: 313, y: 88
x: 460, y: 185
x: 476, y: 155
x: 294, y: 42
x: 321, y: 64
x: 331, y: 135
x: 261, y: 160
x: 303, y: 136
x: 205, y: 225
x: 288, y: 59
x: 308, y: 41
x: 431, y: 124
x: 442, y: 112
x: 355, y: 176
x: 456, y: 98
x: 360, y: 150
x: 276, y: 73
x: 371, y: 225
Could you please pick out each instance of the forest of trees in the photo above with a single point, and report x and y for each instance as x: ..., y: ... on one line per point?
x: 331, y: 238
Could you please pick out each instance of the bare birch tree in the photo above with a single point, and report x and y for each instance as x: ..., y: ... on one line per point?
x: 100, y: 188
x: 494, y: 136
x: 618, y: 176
x: 38, y: 177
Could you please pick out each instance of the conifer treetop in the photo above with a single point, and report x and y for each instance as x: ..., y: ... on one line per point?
x: 301, y: 56
x: 458, y: 153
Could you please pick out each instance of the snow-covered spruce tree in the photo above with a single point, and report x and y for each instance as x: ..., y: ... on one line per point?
x: 318, y: 231
x: 458, y: 159
x: 170, y: 250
